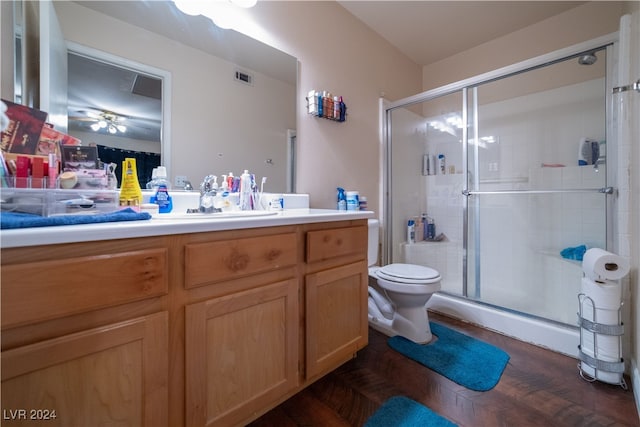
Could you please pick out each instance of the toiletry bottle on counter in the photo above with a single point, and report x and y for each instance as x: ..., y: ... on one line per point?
x: 130, y: 192
x: 411, y: 231
x: 353, y: 202
x: 342, y: 199
x: 362, y: 203
x: 245, y: 191
x: 161, y: 196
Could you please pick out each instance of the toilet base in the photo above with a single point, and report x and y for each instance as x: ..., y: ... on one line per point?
x: 385, y: 326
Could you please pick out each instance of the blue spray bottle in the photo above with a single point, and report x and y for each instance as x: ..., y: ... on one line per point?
x: 342, y: 199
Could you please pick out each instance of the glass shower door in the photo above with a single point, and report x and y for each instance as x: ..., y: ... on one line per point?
x: 425, y: 155
x: 536, y: 186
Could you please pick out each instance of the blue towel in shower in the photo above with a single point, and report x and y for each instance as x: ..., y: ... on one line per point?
x: 9, y: 220
x: 574, y: 253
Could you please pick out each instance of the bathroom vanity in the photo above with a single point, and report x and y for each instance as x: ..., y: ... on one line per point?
x: 178, y: 322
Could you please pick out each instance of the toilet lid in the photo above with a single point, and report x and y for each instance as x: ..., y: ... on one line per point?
x: 408, y: 273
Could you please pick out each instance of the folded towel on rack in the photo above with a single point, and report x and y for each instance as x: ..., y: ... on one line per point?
x: 10, y: 220
x: 575, y: 253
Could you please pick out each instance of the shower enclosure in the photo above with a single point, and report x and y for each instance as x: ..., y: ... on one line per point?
x: 514, y: 167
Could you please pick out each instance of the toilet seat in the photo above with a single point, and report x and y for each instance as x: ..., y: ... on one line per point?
x: 408, y: 274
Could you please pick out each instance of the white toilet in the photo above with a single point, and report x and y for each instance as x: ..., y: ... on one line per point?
x: 397, y: 298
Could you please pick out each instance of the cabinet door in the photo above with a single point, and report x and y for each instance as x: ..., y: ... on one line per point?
x: 336, y: 316
x: 241, y: 353
x: 112, y: 375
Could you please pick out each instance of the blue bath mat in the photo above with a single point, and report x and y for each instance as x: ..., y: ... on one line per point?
x: 467, y: 361
x: 403, y: 412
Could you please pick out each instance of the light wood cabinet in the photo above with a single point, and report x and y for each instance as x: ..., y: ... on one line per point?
x: 336, y: 317
x: 111, y: 375
x: 242, y: 353
x: 212, y: 328
x: 336, y: 325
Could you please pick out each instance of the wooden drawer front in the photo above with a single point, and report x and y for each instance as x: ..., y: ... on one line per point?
x: 212, y: 262
x: 37, y: 291
x: 336, y: 242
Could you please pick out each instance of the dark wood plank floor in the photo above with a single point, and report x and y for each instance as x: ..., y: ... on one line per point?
x: 538, y: 388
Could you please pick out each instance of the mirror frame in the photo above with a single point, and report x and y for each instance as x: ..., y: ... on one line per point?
x: 163, y: 75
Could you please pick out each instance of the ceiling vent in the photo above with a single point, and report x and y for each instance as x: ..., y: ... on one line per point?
x: 243, y: 77
x: 147, y: 86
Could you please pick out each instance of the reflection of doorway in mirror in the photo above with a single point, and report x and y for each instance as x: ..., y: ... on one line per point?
x: 291, y: 161
x: 136, y: 95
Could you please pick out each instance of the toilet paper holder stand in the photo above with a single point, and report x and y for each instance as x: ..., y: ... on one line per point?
x: 596, y: 328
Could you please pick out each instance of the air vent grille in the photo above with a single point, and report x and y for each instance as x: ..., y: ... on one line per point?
x: 147, y: 86
x: 243, y: 77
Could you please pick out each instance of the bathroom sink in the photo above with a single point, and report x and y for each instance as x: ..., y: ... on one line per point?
x: 199, y: 216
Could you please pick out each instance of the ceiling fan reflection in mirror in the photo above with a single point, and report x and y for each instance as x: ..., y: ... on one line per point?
x: 107, y: 121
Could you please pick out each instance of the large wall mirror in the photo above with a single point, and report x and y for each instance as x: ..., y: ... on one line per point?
x: 227, y: 102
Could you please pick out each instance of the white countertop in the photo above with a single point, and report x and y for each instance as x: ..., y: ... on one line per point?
x: 156, y: 227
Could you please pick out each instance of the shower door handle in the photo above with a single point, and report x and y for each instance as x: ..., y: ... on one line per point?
x: 603, y: 190
x: 608, y: 190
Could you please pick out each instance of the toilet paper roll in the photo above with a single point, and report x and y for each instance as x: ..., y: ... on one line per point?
x: 601, y: 347
x: 601, y: 298
x: 599, y: 264
x: 607, y: 377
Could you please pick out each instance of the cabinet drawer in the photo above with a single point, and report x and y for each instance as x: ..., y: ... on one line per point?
x: 211, y: 262
x: 336, y: 242
x: 37, y: 291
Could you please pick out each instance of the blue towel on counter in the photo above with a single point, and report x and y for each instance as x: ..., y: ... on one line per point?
x: 9, y: 220
x: 574, y: 253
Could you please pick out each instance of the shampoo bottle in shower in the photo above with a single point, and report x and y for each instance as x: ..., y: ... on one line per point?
x: 411, y: 231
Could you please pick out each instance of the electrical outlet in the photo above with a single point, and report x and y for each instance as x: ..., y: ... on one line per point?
x: 180, y: 180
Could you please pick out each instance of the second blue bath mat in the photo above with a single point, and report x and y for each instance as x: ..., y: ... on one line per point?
x: 400, y: 411
x: 467, y: 361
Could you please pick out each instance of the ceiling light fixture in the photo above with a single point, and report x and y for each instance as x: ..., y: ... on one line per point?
x: 223, y: 13
x: 109, y: 121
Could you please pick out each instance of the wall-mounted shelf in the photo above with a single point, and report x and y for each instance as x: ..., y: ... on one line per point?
x: 323, y: 104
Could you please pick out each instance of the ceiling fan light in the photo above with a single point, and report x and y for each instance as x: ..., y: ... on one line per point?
x: 102, y: 124
x: 112, y: 129
x: 121, y: 128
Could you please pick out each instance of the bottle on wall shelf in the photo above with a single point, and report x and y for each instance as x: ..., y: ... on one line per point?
x: 321, y: 103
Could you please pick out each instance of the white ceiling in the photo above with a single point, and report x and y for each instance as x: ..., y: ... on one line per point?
x: 428, y: 31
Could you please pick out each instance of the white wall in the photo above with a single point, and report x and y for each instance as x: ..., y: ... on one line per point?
x: 339, y: 54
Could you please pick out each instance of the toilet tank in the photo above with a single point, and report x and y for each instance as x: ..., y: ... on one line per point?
x: 374, y: 239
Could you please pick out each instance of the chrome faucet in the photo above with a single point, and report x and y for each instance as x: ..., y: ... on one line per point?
x: 207, y: 194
